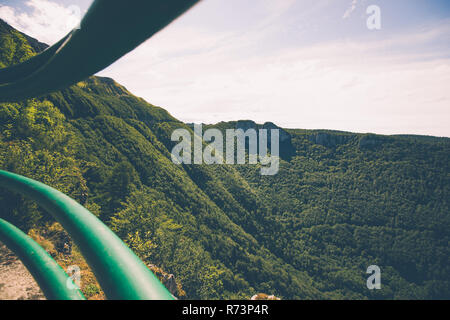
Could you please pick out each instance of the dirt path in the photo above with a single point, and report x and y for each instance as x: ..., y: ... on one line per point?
x: 16, y: 283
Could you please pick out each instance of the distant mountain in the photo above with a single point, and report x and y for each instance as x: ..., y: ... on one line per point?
x: 340, y: 202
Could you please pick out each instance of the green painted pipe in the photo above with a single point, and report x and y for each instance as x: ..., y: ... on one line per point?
x: 50, y: 277
x: 109, y: 30
x: 28, y: 67
x: 120, y: 273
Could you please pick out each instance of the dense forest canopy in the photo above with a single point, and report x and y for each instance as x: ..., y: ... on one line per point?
x: 339, y: 203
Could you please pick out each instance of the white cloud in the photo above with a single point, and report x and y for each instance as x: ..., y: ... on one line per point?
x: 350, y: 85
x: 47, y: 21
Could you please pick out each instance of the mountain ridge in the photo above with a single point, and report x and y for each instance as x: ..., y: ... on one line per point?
x: 225, y: 231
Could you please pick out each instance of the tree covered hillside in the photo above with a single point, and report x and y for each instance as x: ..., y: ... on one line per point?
x: 340, y: 202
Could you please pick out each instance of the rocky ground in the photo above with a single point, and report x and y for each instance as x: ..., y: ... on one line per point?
x: 16, y: 283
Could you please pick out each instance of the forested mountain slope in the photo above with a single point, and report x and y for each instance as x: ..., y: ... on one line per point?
x: 339, y: 203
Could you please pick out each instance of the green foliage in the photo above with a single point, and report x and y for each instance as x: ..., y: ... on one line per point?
x: 342, y: 202
x: 349, y: 201
x: 91, y: 290
x: 14, y: 47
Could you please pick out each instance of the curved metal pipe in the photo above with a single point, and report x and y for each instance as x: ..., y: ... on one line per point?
x: 109, y: 30
x: 120, y: 273
x: 28, y: 67
x: 50, y: 277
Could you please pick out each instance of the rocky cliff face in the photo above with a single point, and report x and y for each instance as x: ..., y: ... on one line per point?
x: 169, y: 281
x: 286, y: 148
x: 371, y: 141
x: 332, y: 140
x: 329, y: 140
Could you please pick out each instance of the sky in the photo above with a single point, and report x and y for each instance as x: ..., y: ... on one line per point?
x: 310, y: 64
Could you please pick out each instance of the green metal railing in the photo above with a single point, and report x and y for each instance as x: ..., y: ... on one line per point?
x: 120, y: 273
